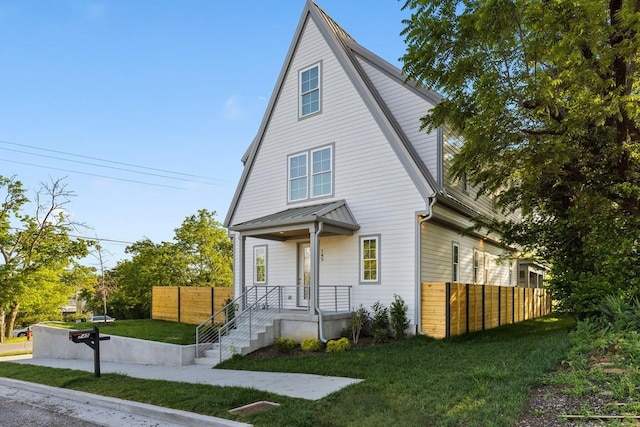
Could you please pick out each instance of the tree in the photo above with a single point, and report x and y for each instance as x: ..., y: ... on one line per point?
x: 208, y: 248
x: 35, y: 249
x: 545, y: 95
x: 200, y: 255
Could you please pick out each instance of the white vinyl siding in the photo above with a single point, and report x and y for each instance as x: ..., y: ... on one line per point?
x: 370, y: 259
x: 310, y: 90
x: 365, y: 169
x: 436, y: 251
x: 260, y: 265
x: 407, y: 107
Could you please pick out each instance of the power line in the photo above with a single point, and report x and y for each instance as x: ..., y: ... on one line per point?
x: 108, y: 161
x: 93, y: 174
x: 109, y: 167
x: 100, y: 239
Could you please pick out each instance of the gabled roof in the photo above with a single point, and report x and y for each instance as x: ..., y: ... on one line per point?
x: 347, y: 51
x: 294, y: 222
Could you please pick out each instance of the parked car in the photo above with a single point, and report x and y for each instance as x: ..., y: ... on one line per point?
x: 102, y: 319
x: 21, y: 332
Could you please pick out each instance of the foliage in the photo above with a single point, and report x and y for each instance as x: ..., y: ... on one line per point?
x: 360, y: 318
x: 209, y: 251
x: 545, y: 98
x: 312, y: 345
x: 619, y: 313
x: 380, y: 322
x: 339, y: 345
x: 35, y: 250
x: 200, y: 255
x: 285, y: 345
x: 399, y: 320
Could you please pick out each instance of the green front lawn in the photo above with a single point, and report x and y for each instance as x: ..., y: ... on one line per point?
x: 482, y: 379
x: 145, y: 329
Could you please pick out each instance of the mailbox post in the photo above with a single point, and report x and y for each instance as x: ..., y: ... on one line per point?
x: 92, y: 338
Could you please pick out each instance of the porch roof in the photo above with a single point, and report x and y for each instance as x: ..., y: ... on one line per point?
x: 297, y: 222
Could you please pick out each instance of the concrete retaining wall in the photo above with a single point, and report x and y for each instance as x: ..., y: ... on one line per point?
x: 53, y: 343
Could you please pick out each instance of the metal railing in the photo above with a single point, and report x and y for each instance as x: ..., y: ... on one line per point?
x: 235, y: 324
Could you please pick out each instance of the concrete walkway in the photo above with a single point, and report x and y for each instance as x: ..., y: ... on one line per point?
x: 302, y: 386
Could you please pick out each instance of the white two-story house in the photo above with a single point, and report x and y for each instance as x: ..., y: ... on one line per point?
x: 343, y: 200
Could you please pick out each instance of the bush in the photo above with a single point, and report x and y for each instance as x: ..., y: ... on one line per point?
x: 312, y: 344
x: 285, y: 345
x: 380, y: 322
x: 359, y: 320
x: 399, y: 320
x: 337, y: 346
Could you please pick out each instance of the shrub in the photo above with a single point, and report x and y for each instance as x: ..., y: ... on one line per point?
x: 359, y: 319
x: 285, y: 345
x: 312, y: 344
x: 337, y: 346
x: 399, y: 320
x: 380, y: 322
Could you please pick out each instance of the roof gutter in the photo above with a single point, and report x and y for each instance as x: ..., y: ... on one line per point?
x: 418, y: 292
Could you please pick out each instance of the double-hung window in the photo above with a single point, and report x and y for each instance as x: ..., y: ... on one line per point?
x: 310, y: 90
x: 311, y: 174
x: 370, y: 259
x: 455, y: 262
x: 478, y: 267
x: 321, y: 172
x: 298, y: 180
x: 260, y: 264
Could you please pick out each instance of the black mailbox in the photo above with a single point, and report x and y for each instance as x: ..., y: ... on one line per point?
x: 81, y: 336
x: 92, y: 338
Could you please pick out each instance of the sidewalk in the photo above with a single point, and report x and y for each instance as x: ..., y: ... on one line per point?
x: 302, y: 386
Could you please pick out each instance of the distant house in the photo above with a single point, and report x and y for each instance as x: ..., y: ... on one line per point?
x: 343, y: 200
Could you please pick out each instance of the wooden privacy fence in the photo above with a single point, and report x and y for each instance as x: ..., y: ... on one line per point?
x: 187, y: 304
x: 451, y: 309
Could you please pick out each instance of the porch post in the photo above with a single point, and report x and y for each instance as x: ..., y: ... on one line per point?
x: 315, y: 267
x: 242, y: 273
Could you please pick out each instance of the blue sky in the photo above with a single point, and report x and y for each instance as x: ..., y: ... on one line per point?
x: 177, y: 87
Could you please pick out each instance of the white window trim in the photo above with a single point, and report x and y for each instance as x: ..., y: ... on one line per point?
x: 309, y: 175
x: 455, y: 266
x: 256, y: 249
x: 377, y: 238
x: 300, y: 93
x: 289, y: 179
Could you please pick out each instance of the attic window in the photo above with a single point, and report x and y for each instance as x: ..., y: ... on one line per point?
x: 310, y: 90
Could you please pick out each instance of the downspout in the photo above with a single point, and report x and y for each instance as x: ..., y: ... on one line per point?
x: 432, y: 201
x: 316, y: 284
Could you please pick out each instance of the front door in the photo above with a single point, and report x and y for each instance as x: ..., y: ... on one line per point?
x: 304, y: 274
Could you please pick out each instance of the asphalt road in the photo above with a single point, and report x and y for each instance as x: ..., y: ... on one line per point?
x: 15, y: 347
x: 15, y: 413
x: 28, y: 408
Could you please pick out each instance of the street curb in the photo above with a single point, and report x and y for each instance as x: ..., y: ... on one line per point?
x: 143, y: 409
